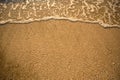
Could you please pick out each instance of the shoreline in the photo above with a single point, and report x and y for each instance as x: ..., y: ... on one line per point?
x: 66, y: 19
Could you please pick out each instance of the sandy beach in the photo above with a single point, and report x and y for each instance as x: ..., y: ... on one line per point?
x: 59, y: 50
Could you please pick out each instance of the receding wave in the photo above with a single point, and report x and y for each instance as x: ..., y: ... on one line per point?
x: 104, y: 12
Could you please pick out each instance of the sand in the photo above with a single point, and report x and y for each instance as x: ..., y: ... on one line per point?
x: 59, y: 50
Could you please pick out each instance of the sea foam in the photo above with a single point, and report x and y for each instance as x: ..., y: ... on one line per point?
x: 103, y: 12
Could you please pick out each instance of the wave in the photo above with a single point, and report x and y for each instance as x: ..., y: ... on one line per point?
x: 103, y: 12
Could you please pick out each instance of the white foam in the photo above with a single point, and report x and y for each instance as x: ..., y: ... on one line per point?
x: 58, y: 18
x: 86, y: 11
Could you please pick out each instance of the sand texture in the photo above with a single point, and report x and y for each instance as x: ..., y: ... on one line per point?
x: 59, y: 50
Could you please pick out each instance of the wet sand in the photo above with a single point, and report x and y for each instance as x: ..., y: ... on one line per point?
x: 59, y: 50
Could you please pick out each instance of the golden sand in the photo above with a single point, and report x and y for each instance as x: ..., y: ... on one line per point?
x: 59, y: 50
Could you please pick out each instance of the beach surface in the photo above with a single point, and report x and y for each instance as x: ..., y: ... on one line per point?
x: 59, y: 50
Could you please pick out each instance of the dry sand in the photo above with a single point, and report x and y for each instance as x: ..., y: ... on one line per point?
x: 59, y: 50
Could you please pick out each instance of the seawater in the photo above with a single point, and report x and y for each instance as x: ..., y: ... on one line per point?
x: 103, y: 12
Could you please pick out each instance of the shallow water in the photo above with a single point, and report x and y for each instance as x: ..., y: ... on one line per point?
x: 104, y: 12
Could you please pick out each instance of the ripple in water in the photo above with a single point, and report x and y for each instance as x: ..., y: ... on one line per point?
x: 104, y: 12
